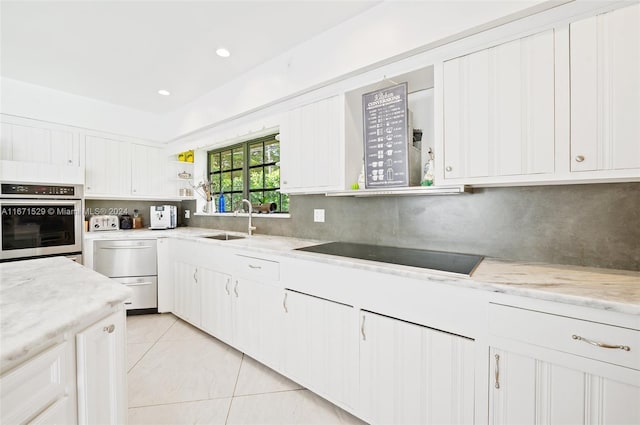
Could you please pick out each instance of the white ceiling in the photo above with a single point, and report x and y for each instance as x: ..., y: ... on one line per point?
x: 123, y: 52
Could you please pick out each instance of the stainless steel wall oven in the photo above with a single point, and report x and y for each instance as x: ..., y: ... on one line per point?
x: 40, y: 220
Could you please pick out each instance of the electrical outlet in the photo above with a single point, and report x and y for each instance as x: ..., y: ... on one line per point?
x: 318, y: 215
x: 187, y: 214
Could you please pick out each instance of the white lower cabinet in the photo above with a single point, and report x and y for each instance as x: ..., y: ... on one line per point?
x: 101, y: 372
x: 414, y: 374
x: 187, y: 300
x: 215, y: 308
x: 57, y: 413
x: 528, y: 389
x: 547, y: 368
x: 29, y: 390
x: 321, y: 346
x: 257, y: 315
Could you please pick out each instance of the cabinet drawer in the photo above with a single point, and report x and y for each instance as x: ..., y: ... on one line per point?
x: 257, y: 268
x: 34, y: 386
x: 145, y: 291
x: 620, y: 346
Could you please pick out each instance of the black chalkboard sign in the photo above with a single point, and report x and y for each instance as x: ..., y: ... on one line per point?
x: 386, y: 155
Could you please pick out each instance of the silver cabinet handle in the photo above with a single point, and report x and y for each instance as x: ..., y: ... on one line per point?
x: 579, y: 158
x: 226, y: 286
x: 109, y: 329
x: 284, y: 303
x: 254, y: 267
x: 364, y: 335
x: 497, y: 372
x: 235, y: 289
x: 601, y: 344
x: 195, y: 277
x: 449, y: 168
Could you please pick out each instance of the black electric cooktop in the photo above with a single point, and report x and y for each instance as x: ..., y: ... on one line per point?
x: 434, y: 260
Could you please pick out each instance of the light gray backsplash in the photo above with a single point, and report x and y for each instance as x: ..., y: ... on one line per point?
x: 114, y: 207
x: 592, y: 225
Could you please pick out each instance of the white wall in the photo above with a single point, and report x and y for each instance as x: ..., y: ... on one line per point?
x: 386, y: 32
x: 41, y: 103
x: 377, y: 35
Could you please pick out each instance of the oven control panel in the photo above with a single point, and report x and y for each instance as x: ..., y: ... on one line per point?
x: 33, y: 189
x: 41, y: 191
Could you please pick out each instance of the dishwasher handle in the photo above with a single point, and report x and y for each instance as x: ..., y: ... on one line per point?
x: 126, y: 247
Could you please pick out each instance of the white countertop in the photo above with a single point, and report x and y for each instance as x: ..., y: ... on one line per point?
x: 607, y: 289
x: 43, y: 298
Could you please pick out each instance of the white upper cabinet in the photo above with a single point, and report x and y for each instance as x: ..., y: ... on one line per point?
x: 149, y: 171
x: 108, y: 167
x: 117, y: 168
x: 31, y: 151
x: 499, y: 110
x: 311, y: 146
x: 605, y: 91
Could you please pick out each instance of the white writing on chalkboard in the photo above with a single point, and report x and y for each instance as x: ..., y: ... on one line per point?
x: 385, y: 137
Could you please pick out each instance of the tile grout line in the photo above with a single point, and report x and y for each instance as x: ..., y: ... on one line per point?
x: 153, y: 344
x: 271, y: 392
x: 235, y: 386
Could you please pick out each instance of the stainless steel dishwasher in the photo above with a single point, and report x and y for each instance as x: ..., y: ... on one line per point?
x: 132, y: 262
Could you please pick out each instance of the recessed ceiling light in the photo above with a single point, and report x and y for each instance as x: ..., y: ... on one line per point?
x: 223, y: 53
x: 164, y: 92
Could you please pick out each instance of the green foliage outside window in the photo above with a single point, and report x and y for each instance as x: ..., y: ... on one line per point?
x: 250, y: 170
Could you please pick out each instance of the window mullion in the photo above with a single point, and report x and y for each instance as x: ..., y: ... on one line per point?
x: 245, y: 173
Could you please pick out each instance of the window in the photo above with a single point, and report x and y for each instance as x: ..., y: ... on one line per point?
x: 250, y: 170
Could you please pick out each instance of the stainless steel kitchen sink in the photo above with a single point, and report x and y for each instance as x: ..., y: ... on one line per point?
x: 223, y: 237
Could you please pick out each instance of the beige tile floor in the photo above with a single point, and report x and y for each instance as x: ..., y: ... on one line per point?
x: 180, y: 375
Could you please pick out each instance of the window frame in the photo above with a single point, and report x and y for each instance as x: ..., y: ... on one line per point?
x: 246, y: 191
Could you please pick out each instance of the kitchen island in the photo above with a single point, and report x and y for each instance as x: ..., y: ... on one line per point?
x: 62, y: 343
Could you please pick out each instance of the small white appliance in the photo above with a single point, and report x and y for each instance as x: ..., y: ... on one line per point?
x: 104, y: 222
x: 163, y: 217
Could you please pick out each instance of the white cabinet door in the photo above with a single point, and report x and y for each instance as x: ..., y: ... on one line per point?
x: 39, y: 144
x: 186, y: 297
x: 108, y: 167
x: 414, y: 374
x: 525, y: 389
x: 35, y: 152
x: 312, y: 153
x: 321, y: 347
x: 101, y: 373
x: 215, y: 296
x: 605, y: 91
x: 257, y: 315
x: 499, y: 110
x: 31, y: 388
x: 149, y: 176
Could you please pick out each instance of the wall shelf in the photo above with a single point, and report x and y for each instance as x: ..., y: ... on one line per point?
x: 398, y: 191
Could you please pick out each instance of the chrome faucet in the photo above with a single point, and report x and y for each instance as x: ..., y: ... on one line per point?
x: 251, y: 228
